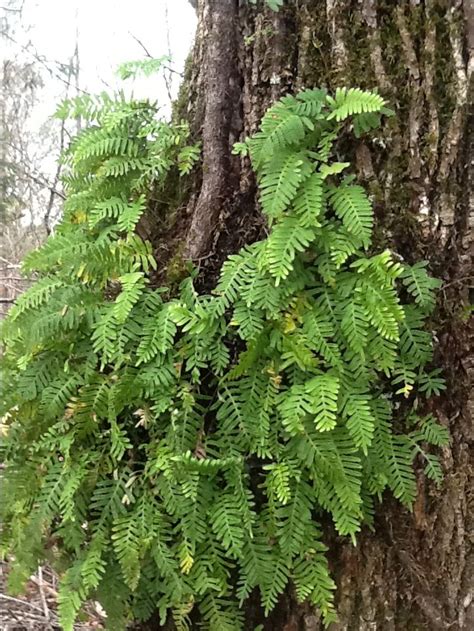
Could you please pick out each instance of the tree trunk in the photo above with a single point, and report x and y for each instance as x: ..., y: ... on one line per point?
x: 416, y: 570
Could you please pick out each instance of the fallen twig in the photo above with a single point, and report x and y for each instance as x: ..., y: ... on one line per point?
x: 20, y: 602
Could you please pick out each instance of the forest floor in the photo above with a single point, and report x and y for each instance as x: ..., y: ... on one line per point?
x: 36, y: 609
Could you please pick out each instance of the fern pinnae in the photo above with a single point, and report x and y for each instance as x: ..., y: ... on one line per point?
x: 148, y: 414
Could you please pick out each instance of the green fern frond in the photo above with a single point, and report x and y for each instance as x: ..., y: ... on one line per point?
x: 353, y: 208
x: 70, y: 601
x: 275, y: 583
x: 415, y: 343
x: 359, y: 420
x: 397, y: 456
x: 431, y: 383
x: 145, y: 67
x: 349, y: 101
x: 280, y: 128
x: 34, y: 297
x: 287, y: 239
x: 280, y: 180
x: 320, y: 332
x: 354, y: 326
x: 433, y: 468
x: 227, y: 524
x: 178, y: 446
x: 314, y: 583
x: 125, y: 213
x: 294, y: 519
x: 132, y: 285
x: 324, y: 390
x: 236, y: 271
x: 93, y: 566
x: 249, y: 320
x: 220, y: 613
x: 420, y: 285
x: 309, y: 102
x: 127, y: 546
x: 308, y: 204
x: 432, y: 432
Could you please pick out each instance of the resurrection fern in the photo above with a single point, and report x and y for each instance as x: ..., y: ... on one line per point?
x: 144, y: 67
x: 182, y: 449
x: 273, y: 4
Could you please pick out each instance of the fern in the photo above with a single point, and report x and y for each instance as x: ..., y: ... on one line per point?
x: 146, y: 67
x: 280, y: 129
x: 280, y: 179
x: 178, y: 446
x: 420, y: 284
x: 324, y: 390
x: 158, y: 334
x: 93, y: 566
x: 287, y: 239
x: 35, y: 296
x: 294, y: 519
x: 309, y: 201
x: 126, y: 215
x: 431, y: 383
x: 360, y: 421
x: 353, y: 208
x: 432, y: 432
x: 354, y: 326
x: 227, y: 524
x: 127, y: 544
x: 347, y: 102
x: 275, y: 5
x: 313, y: 583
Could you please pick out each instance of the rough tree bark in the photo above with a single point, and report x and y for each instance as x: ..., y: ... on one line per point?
x: 416, y: 570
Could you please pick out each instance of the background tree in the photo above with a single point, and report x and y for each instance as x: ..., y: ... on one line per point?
x: 415, y: 571
x: 30, y: 188
x: 21, y: 183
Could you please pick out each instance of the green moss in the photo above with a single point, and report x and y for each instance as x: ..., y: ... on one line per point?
x: 416, y: 26
x: 180, y: 105
x: 266, y: 32
x: 393, y: 57
x: 177, y: 269
x: 317, y: 68
x: 360, y: 70
x: 444, y: 72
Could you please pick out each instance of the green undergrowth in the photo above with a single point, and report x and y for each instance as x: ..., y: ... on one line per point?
x: 176, y: 451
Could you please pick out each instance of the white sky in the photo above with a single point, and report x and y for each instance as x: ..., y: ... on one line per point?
x: 105, y: 32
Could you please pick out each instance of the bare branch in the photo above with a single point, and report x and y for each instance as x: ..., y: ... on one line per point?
x: 9, y: 263
x: 73, y: 69
x: 44, y: 62
x: 167, y: 77
x: 142, y: 45
x: 45, y: 184
x: 150, y: 56
x: 42, y: 594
